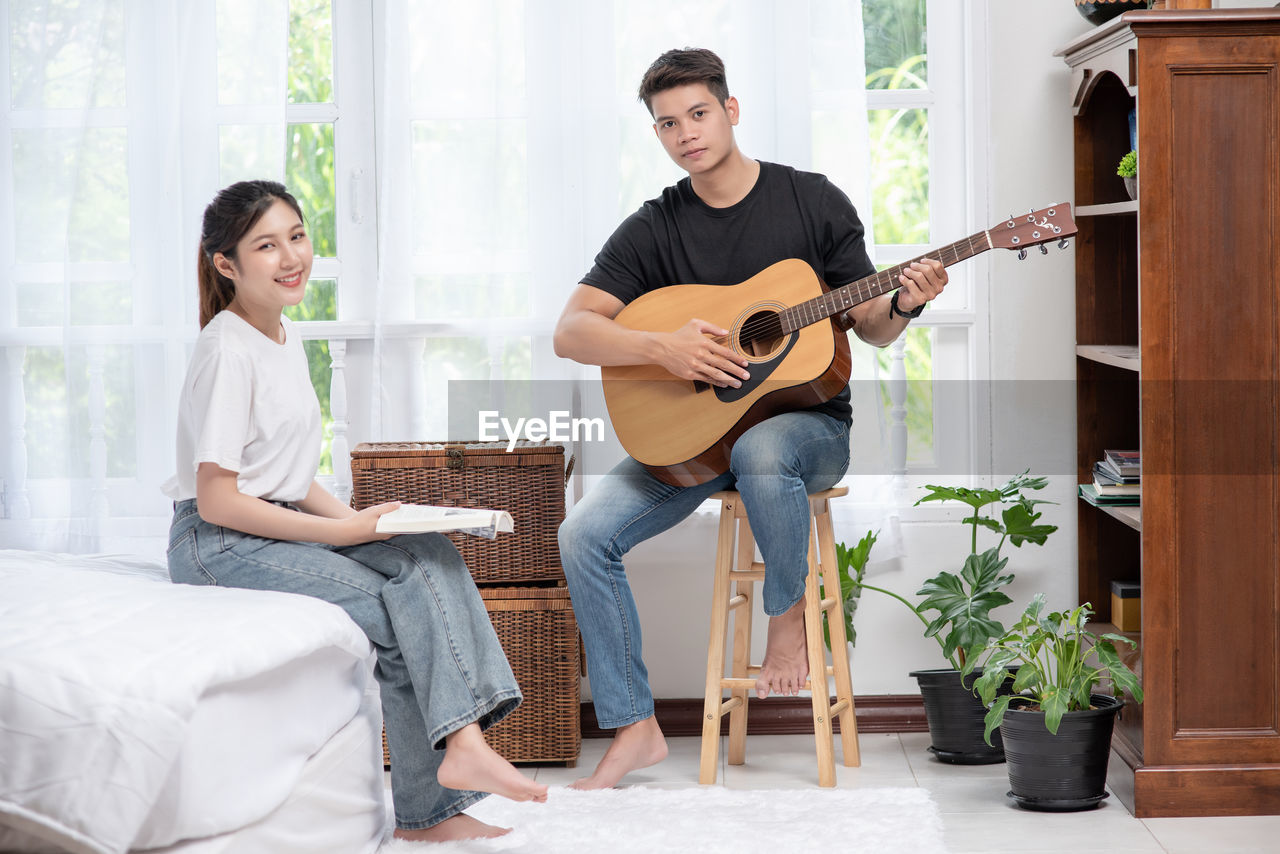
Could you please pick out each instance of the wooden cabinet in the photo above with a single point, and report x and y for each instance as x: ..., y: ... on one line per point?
x: 1178, y: 353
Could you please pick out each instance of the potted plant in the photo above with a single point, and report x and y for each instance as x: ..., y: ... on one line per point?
x: 851, y: 564
x: 963, y: 625
x: 1056, y: 726
x: 1128, y: 170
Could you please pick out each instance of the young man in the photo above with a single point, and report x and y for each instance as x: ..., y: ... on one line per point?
x: 731, y: 218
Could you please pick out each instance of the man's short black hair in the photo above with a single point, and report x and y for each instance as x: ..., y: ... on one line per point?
x: 682, y: 67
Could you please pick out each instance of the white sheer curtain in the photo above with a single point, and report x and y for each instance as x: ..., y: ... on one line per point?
x: 479, y: 154
x: 98, y: 176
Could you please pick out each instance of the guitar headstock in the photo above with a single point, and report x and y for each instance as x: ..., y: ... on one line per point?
x: 1034, y: 228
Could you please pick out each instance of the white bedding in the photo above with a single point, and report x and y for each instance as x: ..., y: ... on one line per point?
x: 136, y: 713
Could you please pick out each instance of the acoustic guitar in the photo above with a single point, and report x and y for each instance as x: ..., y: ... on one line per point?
x: 781, y: 321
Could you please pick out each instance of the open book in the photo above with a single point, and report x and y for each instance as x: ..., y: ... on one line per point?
x: 421, y: 518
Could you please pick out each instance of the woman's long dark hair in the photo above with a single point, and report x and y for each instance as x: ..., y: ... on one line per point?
x: 227, y: 219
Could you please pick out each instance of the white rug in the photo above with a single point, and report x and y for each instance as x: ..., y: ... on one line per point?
x: 705, y: 820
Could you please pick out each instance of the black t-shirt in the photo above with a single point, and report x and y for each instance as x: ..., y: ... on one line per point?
x: 679, y: 239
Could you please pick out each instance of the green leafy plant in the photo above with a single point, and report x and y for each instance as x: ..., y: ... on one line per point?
x: 1128, y: 167
x: 1059, y: 664
x: 963, y: 625
x: 852, y: 565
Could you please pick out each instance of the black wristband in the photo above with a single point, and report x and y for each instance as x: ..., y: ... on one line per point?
x: 909, y: 315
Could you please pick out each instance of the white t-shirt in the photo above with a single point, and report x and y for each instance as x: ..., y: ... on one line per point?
x: 247, y: 405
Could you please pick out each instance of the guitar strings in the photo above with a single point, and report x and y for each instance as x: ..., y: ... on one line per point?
x: 771, y: 326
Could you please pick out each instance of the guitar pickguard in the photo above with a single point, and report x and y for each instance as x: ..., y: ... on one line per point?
x: 760, y: 371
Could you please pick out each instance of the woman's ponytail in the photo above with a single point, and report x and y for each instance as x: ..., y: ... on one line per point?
x: 216, y: 290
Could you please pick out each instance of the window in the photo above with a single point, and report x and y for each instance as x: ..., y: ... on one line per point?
x: 915, y: 82
x: 438, y: 150
x: 70, y: 248
x: 286, y: 110
x: 120, y: 127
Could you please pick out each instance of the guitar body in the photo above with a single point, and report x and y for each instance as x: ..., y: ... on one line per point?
x: 683, y: 431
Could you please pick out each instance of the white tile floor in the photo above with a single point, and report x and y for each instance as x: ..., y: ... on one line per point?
x: 977, y: 816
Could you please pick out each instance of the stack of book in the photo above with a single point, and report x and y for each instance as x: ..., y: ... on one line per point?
x: 1116, y: 479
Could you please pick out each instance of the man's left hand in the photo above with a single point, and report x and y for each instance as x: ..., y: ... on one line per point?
x: 921, y: 282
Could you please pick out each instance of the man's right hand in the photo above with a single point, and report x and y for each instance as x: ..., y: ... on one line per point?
x: 588, y: 333
x: 689, y: 354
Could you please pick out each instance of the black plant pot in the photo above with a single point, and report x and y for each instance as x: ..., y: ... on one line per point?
x: 1062, y: 772
x: 955, y: 716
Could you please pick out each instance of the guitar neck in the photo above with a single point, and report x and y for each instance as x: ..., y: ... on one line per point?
x: 846, y: 297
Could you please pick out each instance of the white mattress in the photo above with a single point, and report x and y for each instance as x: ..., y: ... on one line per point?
x: 135, y: 713
x: 336, y: 805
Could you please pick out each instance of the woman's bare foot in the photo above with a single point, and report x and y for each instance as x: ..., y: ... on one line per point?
x: 786, y: 656
x: 634, y: 746
x: 460, y: 826
x: 471, y: 764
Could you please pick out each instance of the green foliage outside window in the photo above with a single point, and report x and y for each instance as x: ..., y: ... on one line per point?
x: 310, y: 51
x: 900, y: 175
x: 309, y: 175
x: 894, y: 32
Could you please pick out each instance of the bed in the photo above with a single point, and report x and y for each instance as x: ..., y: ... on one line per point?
x: 137, y: 714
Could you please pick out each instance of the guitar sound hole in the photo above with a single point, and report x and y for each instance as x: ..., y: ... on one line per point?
x: 761, y: 334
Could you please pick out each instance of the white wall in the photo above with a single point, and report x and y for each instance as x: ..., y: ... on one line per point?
x: 1032, y: 302
x: 1024, y: 149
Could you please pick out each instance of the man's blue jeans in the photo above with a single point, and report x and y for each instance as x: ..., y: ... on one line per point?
x: 440, y: 665
x: 774, y: 466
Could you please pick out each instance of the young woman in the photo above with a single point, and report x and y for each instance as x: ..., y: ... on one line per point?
x: 249, y: 513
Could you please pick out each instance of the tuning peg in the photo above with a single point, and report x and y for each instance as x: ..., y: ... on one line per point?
x: 1022, y: 254
x: 1044, y: 250
x: 1063, y: 244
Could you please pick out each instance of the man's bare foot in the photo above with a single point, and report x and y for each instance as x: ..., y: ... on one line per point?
x: 634, y: 746
x: 471, y: 764
x: 786, y: 656
x: 460, y: 826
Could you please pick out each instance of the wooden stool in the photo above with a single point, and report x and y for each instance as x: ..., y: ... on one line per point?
x: 822, y: 556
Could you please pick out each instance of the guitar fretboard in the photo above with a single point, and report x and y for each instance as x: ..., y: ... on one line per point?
x: 846, y: 297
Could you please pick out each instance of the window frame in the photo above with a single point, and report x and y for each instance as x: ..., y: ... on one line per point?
x: 956, y: 98
x: 956, y: 101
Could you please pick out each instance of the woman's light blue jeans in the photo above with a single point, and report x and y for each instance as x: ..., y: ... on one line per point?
x: 774, y: 466
x: 440, y: 665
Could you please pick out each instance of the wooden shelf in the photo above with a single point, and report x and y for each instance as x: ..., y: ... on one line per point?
x: 1109, y: 209
x: 1210, y: 616
x: 1129, y: 514
x: 1117, y: 355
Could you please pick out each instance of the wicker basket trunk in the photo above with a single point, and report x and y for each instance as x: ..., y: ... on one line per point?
x: 527, y: 482
x: 540, y: 637
x: 530, y: 610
